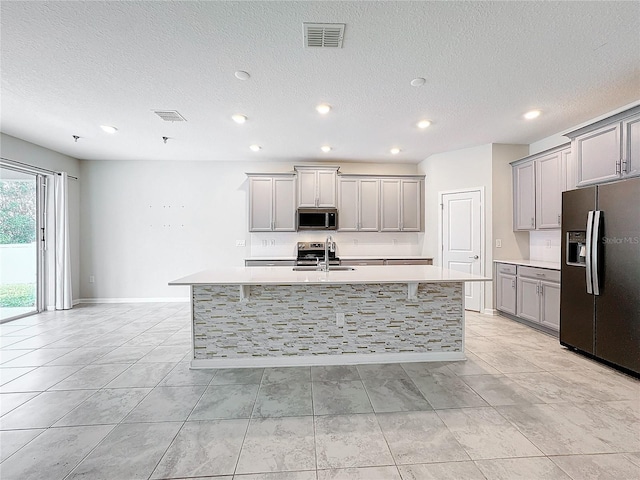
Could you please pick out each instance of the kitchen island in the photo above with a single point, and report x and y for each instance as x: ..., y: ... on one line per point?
x: 280, y: 316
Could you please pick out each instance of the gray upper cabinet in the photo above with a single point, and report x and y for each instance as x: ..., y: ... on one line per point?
x: 538, y: 183
x: 272, y: 203
x: 609, y: 149
x: 358, y: 204
x: 401, y: 204
x: 317, y: 186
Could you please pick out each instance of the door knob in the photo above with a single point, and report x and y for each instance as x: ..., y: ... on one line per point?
x: 475, y: 257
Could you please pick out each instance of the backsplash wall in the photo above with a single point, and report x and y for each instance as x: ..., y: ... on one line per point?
x: 545, y: 245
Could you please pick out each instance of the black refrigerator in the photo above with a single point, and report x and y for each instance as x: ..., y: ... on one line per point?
x: 600, y: 294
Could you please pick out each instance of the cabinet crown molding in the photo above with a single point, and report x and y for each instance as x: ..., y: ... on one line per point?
x: 605, y: 121
x: 540, y: 154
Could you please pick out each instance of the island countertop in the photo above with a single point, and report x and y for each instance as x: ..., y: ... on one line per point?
x: 360, y: 275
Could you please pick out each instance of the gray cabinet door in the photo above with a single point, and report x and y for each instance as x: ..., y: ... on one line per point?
x: 524, y: 196
x: 348, y: 194
x: 326, y: 188
x: 631, y: 146
x: 598, y: 155
x: 390, y: 205
x: 261, y: 204
x: 506, y: 293
x: 550, y: 304
x: 368, y: 205
x: 528, y: 300
x: 307, y: 188
x: 410, y: 206
x: 549, y: 191
x: 284, y: 204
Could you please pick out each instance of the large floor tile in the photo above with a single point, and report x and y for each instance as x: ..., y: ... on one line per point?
x: 125, y: 355
x: 363, y: 473
x: 334, y: 373
x: 9, y: 374
x: 91, y: 376
x: 225, y: 376
x: 129, y: 452
x: 38, y: 357
x: 226, y: 401
x: 44, y: 410
x: 301, y: 475
x: 473, y: 365
x: 108, y: 406
x: 54, y: 453
x: 442, y: 471
x: 278, y: 445
x: 82, y: 356
x: 446, y: 391
x: 382, y: 371
x: 163, y: 354
x: 350, y: 441
x: 521, y: 469
x: 500, y: 390
x: 13, y: 440
x: 9, y: 401
x: 287, y: 375
x: 507, y: 362
x: 287, y: 399
x: 142, y: 375
x: 339, y: 398
x: 38, y: 379
x: 183, y: 374
x: 550, y: 388
x: 604, y: 386
x: 419, y: 437
x: 166, y: 404
x: 598, y: 467
x: 203, y: 449
x: 391, y: 395
x: 485, y: 434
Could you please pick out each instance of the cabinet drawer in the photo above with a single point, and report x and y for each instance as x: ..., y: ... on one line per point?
x: 539, y: 273
x: 506, y: 268
x: 269, y: 263
x: 356, y: 262
x: 409, y: 261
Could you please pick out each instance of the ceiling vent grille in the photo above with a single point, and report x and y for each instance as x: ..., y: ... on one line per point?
x: 323, y: 35
x: 170, y: 115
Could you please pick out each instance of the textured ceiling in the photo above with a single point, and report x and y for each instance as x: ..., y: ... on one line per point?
x: 69, y: 67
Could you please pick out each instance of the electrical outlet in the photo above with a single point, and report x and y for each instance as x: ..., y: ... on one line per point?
x: 548, y: 243
x: 273, y: 242
x: 340, y: 319
x: 240, y: 243
x: 92, y: 279
x: 394, y: 241
x: 264, y: 243
x: 498, y: 243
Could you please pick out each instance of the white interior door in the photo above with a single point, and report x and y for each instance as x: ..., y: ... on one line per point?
x: 461, y: 239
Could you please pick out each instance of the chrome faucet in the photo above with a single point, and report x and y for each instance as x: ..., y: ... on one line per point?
x: 328, y: 246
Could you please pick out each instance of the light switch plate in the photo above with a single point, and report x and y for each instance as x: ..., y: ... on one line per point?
x: 240, y: 243
x: 498, y: 243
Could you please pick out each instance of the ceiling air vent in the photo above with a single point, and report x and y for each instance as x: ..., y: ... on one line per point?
x: 323, y: 35
x: 170, y: 115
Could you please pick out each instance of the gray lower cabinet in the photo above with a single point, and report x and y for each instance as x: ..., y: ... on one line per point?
x: 361, y: 263
x: 530, y: 293
x: 353, y: 262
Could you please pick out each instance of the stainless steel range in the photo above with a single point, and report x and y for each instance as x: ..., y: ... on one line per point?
x: 312, y: 253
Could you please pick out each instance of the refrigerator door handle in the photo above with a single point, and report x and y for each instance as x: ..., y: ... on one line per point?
x: 595, y: 251
x: 588, y: 255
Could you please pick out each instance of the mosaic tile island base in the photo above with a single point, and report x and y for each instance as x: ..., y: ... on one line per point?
x: 326, y: 323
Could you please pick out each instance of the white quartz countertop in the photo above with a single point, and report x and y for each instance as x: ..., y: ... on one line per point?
x: 360, y: 275
x: 354, y: 257
x: 532, y: 263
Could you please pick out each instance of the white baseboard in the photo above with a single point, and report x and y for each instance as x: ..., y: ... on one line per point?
x: 490, y: 311
x: 345, y: 359
x: 135, y: 300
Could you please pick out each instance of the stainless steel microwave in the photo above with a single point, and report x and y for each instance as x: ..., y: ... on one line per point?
x: 317, y: 219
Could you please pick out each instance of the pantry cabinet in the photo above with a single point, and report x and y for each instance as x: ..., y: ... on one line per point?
x: 317, y: 186
x: 272, y: 203
x: 359, y: 200
x: 609, y: 149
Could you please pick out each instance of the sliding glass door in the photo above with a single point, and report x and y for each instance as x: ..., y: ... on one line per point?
x: 20, y: 253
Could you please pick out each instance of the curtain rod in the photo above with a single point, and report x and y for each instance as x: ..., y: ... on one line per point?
x: 36, y: 169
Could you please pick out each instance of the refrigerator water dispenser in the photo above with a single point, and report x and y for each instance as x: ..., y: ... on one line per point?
x: 576, y: 248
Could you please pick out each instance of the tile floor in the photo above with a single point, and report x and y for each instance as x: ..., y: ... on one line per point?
x: 105, y: 392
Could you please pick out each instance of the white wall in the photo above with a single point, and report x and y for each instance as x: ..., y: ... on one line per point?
x: 18, y: 150
x: 147, y: 223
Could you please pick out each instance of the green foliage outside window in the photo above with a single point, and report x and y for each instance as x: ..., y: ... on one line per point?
x: 17, y: 212
x: 18, y: 295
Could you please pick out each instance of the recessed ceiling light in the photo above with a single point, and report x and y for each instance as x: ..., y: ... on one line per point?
x: 418, y: 82
x: 255, y: 148
x: 532, y: 114
x: 238, y: 118
x: 325, y: 148
x: 423, y: 123
x: 242, y: 75
x: 395, y: 151
x: 108, y: 128
x: 323, y: 108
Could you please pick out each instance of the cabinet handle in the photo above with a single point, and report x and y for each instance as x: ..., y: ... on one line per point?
x: 533, y: 222
x: 537, y: 289
x: 541, y: 289
x: 624, y: 162
x: 619, y: 167
x: 558, y: 219
x: 513, y: 284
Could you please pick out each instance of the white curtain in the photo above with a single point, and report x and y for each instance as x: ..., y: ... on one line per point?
x: 61, y: 249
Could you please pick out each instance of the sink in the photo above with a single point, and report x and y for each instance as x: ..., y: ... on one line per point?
x: 332, y: 268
